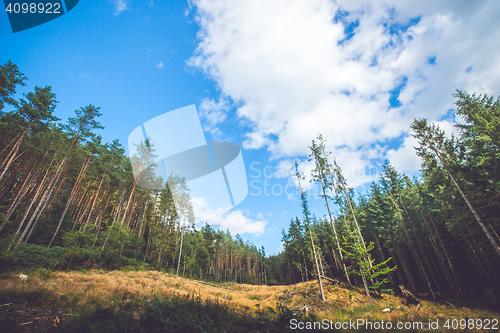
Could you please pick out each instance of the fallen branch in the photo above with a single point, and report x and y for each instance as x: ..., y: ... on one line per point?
x: 408, y: 296
x: 303, y: 309
x: 453, y: 306
x: 326, y: 278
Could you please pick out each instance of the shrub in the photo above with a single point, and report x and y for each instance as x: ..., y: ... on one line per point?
x: 31, y: 255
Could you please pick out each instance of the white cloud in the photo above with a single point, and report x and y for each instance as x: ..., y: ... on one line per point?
x: 237, y: 221
x: 292, y: 73
x: 120, y: 6
x: 404, y: 159
x: 213, y: 113
x: 160, y: 65
x: 284, y: 169
x: 448, y: 127
x: 279, y: 249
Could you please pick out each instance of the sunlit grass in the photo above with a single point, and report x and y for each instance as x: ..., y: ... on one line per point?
x: 62, y: 295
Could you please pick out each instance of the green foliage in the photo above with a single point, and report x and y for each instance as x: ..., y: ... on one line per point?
x: 359, y: 258
x: 33, y: 256
x: 177, y: 314
x: 10, y: 76
x: 63, y: 186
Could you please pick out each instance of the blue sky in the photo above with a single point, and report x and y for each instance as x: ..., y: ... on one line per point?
x: 269, y: 77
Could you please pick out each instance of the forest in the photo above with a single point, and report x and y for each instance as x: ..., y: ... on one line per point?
x: 69, y: 201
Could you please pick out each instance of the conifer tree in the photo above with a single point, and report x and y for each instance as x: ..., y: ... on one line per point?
x: 305, y: 210
x: 433, y: 143
x: 322, y: 173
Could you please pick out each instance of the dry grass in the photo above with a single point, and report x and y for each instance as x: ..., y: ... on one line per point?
x: 76, y: 289
x: 102, y: 286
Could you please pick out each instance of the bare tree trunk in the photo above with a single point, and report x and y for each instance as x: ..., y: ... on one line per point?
x: 70, y: 199
x: 364, y: 282
x: 410, y: 244
x: 405, y: 267
x: 86, y: 209
x: 336, y: 238
x: 476, y: 215
x: 452, y: 269
x: 180, y: 247
x: 130, y: 199
x: 32, y: 202
x: 301, y: 274
x: 48, y: 192
x: 12, y: 155
x: 7, y: 146
x: 20, y: 195
x: 94, y: 202
x: 24, y: 188
x: 101, y: 215
x: 118, y: 209
x: 317, y: 267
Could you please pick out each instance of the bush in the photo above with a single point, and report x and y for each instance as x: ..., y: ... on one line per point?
x: 178, y: 314
x: 31, y: 255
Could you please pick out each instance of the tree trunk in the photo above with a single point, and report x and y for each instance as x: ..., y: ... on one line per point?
x: 364, y: 282
x: 180, y: 247
x: 476, y: 215
x: 70, y: 199
x: 118, y: 209
x: 39, y: 190
x: 24, y: 188
x: 12, y: 155
x: 317, y: 267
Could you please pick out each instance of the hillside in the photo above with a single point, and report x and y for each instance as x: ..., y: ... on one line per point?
x: 102, y: 301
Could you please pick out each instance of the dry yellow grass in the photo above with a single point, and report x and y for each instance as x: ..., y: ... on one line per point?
x: 342, y: 303
x: 102, y: 286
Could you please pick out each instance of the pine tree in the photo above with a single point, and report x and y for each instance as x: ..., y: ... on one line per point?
x: 433, y: 143
x: 322, y: 173
x: 305, y: 210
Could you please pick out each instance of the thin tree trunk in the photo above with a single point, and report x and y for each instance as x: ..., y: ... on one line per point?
x: 410, y: 244
x: 364, y: 282
x: 118, y: 209
x: 32, y: 202
x: 405, y: 267
x: 12, y: 155
x: 70, y: 199
x: 452, y: 269
x: 391, y: 279
x: 24, y: 188
x: 7, y: 146
x: 46, y: 196
x: 94, y: 202
x: 317, y: 267
x: 180, y: 247
x: 476, y: 215
x: 101, y: 215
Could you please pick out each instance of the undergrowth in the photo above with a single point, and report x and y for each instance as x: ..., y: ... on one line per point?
x: 128, y: 312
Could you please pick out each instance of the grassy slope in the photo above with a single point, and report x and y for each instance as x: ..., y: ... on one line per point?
x: 48, y: 299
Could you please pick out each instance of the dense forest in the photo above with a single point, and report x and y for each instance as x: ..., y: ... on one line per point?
x: 436, y: 235
x: 70, y: 201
